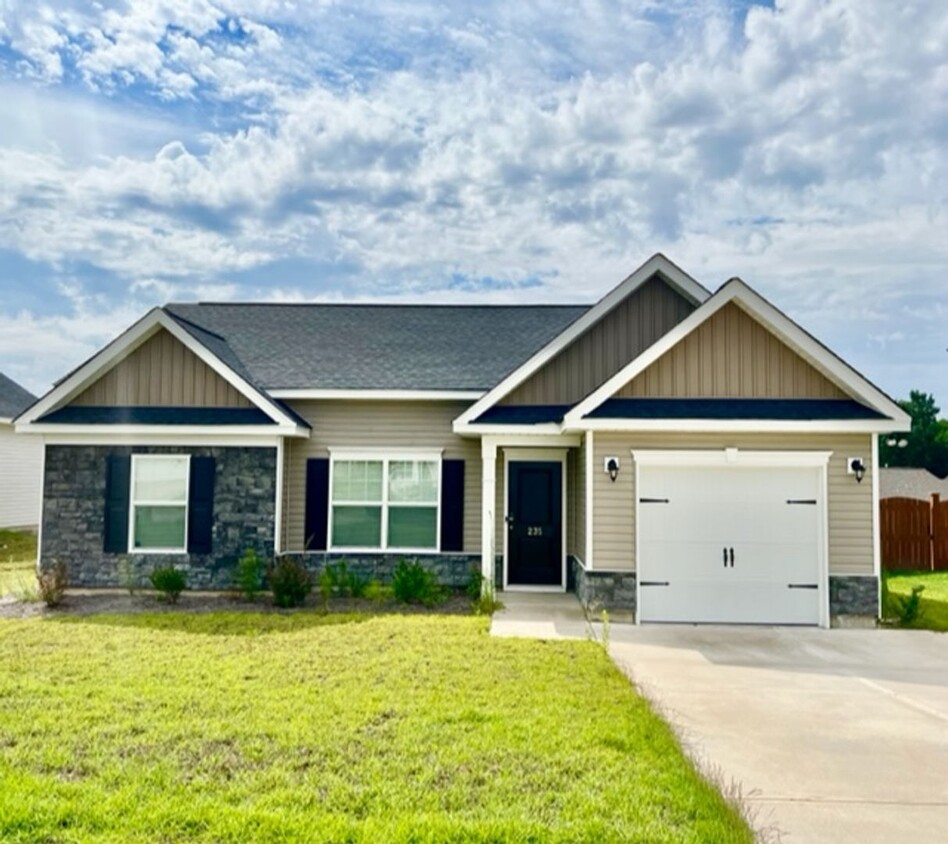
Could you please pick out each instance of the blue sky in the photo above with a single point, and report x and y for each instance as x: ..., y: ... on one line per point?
x: 159, y: 150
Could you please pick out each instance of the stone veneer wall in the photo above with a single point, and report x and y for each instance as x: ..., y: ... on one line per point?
x: 604, y: 590
x: 74, y: 516
x: 452, y: 570
x: 854, y: 595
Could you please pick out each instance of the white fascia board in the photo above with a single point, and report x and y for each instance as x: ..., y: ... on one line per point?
x: 6, y: 420
x: 839, y: 372
x: 106, y: 431
x: 656, y: 264
x: 378, y: 395
x: 179, y: 439
x: 745, y: 426
x: 124, y: 345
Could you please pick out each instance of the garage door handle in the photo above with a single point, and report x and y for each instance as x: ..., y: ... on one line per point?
x: 653, y: 583
x: 732, y: 558
x: 724, y: 553
x: 803, y: 586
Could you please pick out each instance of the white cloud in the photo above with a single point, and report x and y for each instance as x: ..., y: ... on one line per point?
x: 802, y: 149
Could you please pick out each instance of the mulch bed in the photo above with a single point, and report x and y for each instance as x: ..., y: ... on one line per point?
x: 96, y: 602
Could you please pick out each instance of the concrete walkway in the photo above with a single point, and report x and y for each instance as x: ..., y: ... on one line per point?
x: 830, y: 735
x: 540, y: 615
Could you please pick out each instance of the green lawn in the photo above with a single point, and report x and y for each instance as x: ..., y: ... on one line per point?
x: 934, y: 615
x: 263, y: 727
x: 17, y: 560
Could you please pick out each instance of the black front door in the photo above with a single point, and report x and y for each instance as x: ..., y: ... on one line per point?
x: 535, y: 523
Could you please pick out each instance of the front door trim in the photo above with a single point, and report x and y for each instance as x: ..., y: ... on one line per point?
x: 744, y: 458
x: 543, y: 455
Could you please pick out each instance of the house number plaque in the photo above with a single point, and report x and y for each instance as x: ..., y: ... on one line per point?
x: 534, y: 530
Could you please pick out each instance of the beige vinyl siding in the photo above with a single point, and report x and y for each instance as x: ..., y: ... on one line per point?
x: 378, y: 424
x: 849, y: 505
x: 621, y: 335
x: 21, y: 461
x: 162, y: 372
x: 731, y: 355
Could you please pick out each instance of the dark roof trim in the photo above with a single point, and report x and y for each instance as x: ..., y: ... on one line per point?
x: 523, y: 414
x: 78, y: 415
x: 764, y: 409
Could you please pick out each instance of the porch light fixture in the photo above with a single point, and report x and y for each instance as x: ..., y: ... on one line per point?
x: 612, y: 468
x: 858, y: 468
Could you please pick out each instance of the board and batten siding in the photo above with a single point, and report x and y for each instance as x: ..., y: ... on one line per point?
x: 378, y: 425
x: 849, y: 505
x: 21, y: 466
x: 162, y: 372
x: 731, y: 355
x: 594, y: 357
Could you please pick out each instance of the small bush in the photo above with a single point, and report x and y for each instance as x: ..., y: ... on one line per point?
x: 126, y: 575
x: 289, y: 582
x: 377, y: 593
x: 412, y: 583
x: 169, y: 582
x: 908, y: 608
x: 475, y: 585
x: 486, y: 602
x: 52, y: 585
x: 250, y: 569
x: 336, y: 578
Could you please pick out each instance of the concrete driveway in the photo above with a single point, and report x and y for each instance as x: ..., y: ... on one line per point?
x: 831, y: 735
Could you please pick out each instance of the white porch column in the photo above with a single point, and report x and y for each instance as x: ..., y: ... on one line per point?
x: 488, y: 503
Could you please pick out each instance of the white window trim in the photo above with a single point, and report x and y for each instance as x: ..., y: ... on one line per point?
x: 385, y: 457
x: 132, y: 503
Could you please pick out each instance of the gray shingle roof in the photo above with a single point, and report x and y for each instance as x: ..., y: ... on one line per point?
x: 14, y: 399
x: 899, y: 482
x: 379, y: 347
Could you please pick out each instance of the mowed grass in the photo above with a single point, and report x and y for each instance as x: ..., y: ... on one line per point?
x: 17, y: 560
x: 934, y: 604
x: 240, y: 727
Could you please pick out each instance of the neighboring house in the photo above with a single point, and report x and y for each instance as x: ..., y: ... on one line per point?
x: 899, y: 482
x: 20, y: 461
x: 696, y: 456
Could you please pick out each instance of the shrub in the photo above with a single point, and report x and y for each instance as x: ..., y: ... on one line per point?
x: 289, y: 582
x: 908, y: 608
x: 52, y: 585
x: 485, y: 603
x: 126, y: 575
x: 475, y: 585
x: 412, y: 583
x: 377, y: 593
x: 169, y: 582
x: 337, y: 578
x: 250, y: 569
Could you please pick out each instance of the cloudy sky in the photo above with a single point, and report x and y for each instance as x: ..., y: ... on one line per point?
x: 158, y: 150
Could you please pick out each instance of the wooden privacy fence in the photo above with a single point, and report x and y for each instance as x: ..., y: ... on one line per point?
x: 914, y: 534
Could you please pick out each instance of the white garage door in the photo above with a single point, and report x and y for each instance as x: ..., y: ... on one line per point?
x: 737, y: 545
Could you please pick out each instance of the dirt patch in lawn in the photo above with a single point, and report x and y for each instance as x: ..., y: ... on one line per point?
x: 113, y: 601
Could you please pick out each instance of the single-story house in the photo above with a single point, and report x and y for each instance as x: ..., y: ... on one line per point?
x: 691, y: 456
x: 905, y: 482
x: 20, y: 462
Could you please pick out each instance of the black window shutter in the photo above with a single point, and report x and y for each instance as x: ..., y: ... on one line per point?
x: 452, y: 505
x: 316, y: 525
x: 201, y: 505
x: 118, y: 470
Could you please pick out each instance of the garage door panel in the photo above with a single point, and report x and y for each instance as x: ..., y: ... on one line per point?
x: 711, y: 602
x: 729, y: 543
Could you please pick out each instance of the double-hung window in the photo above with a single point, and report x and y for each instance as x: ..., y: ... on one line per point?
x: 158, y: 517
x: 386, y: 502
